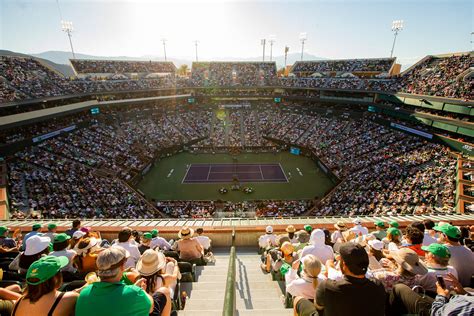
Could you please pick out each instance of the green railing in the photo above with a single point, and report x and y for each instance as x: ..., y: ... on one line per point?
x: 229, y: 298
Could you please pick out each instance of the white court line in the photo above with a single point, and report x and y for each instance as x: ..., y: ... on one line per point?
x: 238, y: 172
x: 187, y: 170
x: 208, y: 172
x: 282, y: 170
x: 261, y: 173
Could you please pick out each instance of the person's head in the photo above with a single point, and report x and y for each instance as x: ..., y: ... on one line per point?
x: 311, y: 268
x: 327, y: 237
x: 186, y: 233
x: 393, y: 224
x: 3, y: 231
x: 85, y: 246
x: 449, y: 233
x: 60, y: 242
x: 151, y: 264
x: 379, y: 225
x: 308, y: 229
x: 36, y: 227
x: 44, y: 276
x: 375, y: 248
x: 287, y: 248
x: 419, y: 225
x: 269, y: 230
x: 154, y: 233
x: 393, y: 235
x: 136, y: 235
x: 302, y: 236
x: 36, y: 244
x: 317, y: 237
x: 282, y: 239
x: 413, y: 235
x: 437, y: 253
x: 110, y: 263
x: 76, y: 224
x: 408, y: 262
x: 357, y: 221
x: 200, y: 231
x: 429, y: 224
x: 125, y: 234
x: 354, y: 259
x: 290, y: 229
x: 340, y: 225
x: 52, y: 228
x: 146, y: 239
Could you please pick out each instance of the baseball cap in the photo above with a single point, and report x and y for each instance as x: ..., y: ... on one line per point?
x: 394, y: 224
x: 269, y: 229
x: 78, y: 234
x: 357, y: 221
x: 449, y: 230
x: 36, y: 226
x: 379, y: 224
x: 147, y: 236
x: 154, y: 232
x: 3, y: 229
x: 355, y: 257
x: 438, y: 250
x: 376, y: 244
x: 52, y: 226
x: 393, y: 231
x: 61, y: 238
x: 35, y: 244
x: 109, y: 261
x: 308, y: 228
x: 408, y: 259
x: 45, y: 268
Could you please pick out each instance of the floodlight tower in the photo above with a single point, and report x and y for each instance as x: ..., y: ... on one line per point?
x: 196, y: 42
x: 303, y: 38
x: 67, y: 27
x: 164, y: 46
x: 263, y: 42
x: 271, y: 41
x: 397, y: 26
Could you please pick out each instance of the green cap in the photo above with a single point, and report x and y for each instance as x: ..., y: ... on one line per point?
x: 393, y: 231
x: 3, y: 229
x: 36, y: 226
x: 394, y: 224
x: 147, y: 236
x: 438, y: 250
x: 61, y: 237
x: 154, y: 232
x: 449, y: 230
x: 308, y: 228
x: 52, y: 226
x: 379, y: 224
x: 45, y: 268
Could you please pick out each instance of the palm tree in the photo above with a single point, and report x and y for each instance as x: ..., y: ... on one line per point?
x: 183, y: 70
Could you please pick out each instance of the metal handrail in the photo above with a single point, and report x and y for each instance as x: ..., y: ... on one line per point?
x: 229, y: 297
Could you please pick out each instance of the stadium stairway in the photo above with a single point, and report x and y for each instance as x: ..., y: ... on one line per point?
x: 206, y: 296
x: 256, y: 293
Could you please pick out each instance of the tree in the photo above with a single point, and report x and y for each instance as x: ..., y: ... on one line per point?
x: 183, y: 70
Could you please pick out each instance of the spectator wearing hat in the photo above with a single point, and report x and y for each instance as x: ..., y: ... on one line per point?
x: 337, y: 234
x: 375, y: 253
x: 35, y: 230
x: 285, y: 255
x: 393, y: 224
x: 306, y: 284
x: 125, y: 241
x: 349, y: 295
x: 268, y: 240
x: 317, y: 247
x: 42, y: 296
x: 290, y: 232
x: 60, y: 249
x: 393, y: 239
x: 203, y: 240
x: 414, y: 240
x: 52, y: 227
x: 437, y: 262
x: 76, y: 237
x: 145, y: 242
x: 6, y: 242
x: 160, y: 273
x: 358, y: 229
x: 302, y: 237
x: 379, y: 232
x: 112, y: 297
x: 159, y: 242
x: 36, y: 247
x: 87, y: 250
x: 405, y: 270
x: 462, y: 258
x: 189, y: 248
x: 308, y: 229
x: 429, y: 233
x: 76, y: 224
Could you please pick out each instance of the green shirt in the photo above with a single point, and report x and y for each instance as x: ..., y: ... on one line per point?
x: 380, y: 234
x: 114, y: 299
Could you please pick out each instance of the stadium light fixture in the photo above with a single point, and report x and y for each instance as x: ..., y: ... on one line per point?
x: 163, y: 40
x: 397, y: 26
x: 263, y: 42
x: 271, y: 41
x: 303, y: 38
x: 196, y: 42
x: 67, y: 27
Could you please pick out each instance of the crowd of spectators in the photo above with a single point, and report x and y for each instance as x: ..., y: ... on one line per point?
x: 87, y: 66
x: 378, y: 65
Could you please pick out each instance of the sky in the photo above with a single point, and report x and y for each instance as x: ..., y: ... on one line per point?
x: 335, y: 29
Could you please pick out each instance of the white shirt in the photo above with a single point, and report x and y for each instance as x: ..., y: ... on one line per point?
x: 428, y: 281
x: 204, y: 241
x: 68, y: 253
x: 267, y: 240
x: 360, y: 230
x: 134, y: 253
x: 322, y: 252
x: 303, y: 286
x: 335, y: 236
x: 160, y: 242
x: 428, y: 240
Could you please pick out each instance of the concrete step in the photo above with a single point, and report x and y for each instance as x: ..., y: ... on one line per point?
x: 222, y: 278
x: 199, y: 312
x: 259, y: 303
x: 203, y: 286
x: 204, y: 294
x: 270, y: 312
x: 205, y: 304
x: 258, y: 293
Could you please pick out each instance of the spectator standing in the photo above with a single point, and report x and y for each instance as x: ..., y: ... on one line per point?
x: 76, y: 225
